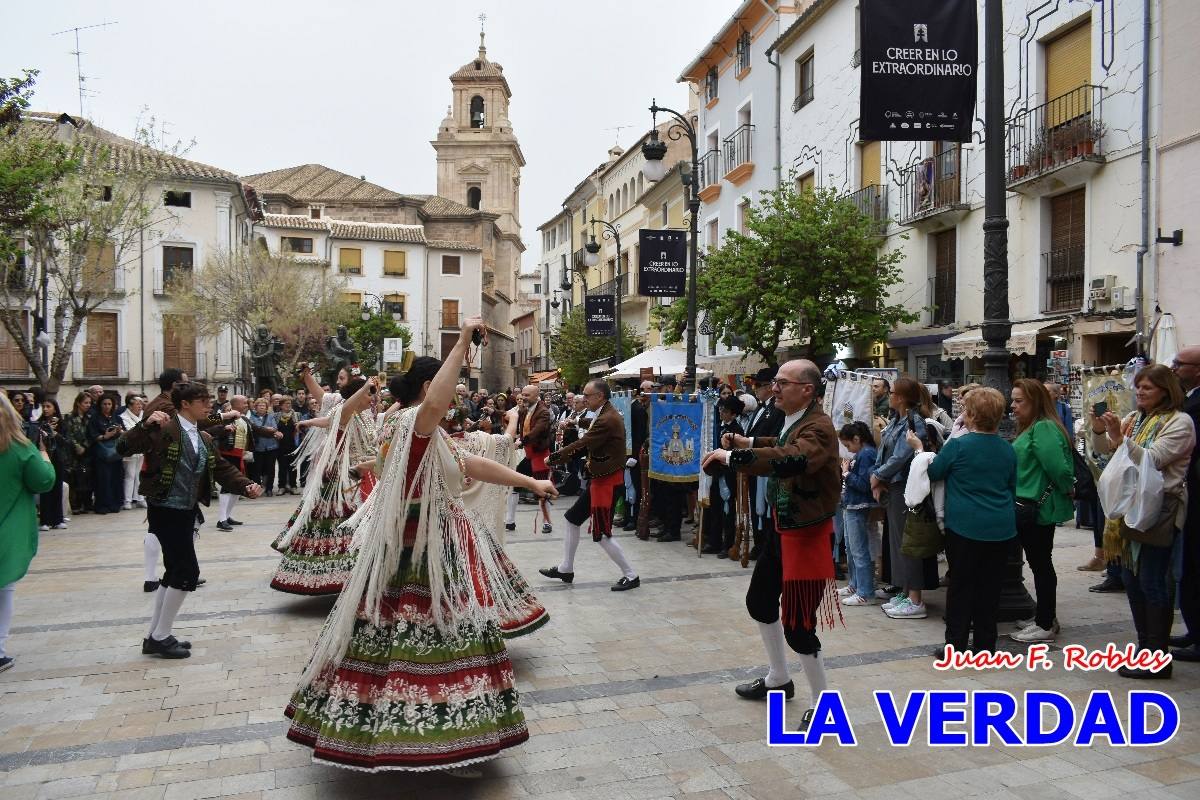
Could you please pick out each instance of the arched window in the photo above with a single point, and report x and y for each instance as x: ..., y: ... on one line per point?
x: 612, y: 205
x: 641, y: 185
x: 477, y: 116
x: 474, y: 195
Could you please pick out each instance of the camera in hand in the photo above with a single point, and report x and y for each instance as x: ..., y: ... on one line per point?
x: 477, y: 337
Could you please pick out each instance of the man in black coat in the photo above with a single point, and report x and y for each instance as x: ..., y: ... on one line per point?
x: 1187, y: 369
x: 766, y: 421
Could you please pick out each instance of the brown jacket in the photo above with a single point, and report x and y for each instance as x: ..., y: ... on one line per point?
x: 604, y: 441
x: 158, y: 470
x: 805, y: 466
x: 538, y: 437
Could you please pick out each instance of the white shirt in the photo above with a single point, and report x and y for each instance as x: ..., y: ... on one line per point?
x: 193, y: 433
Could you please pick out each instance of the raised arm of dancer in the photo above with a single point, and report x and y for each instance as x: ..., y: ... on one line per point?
x: 510, y: 422
x: 310, y: 383
x: 488, y: 471
x: 359, y: 400
x: 441, y: 388
x: 315, y: 422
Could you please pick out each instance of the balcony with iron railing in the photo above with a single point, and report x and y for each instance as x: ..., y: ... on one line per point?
x: 738, y: 153
x: 942, y: 303
x: 802, y: 99
x: 96, y: 364
x: 165, y: 279
x: 1064, y: 270
x: 195, y: 365
x: 617, y: 287
x: 1063, y: 137
x: 709, y: 179
x: 872, y: 202
x: 933, y: 192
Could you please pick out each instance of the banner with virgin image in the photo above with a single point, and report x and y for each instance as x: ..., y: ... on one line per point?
x: 680, y: 434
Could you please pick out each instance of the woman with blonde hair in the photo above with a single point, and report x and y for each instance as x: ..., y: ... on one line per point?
x: 25, y: 472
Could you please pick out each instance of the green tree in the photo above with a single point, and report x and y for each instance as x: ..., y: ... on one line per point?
x: 573, y: 350
x: 368, y: 334
x: 810, y: 268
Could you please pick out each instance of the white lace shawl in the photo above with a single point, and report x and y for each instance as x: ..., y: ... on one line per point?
x: 489, y: 499
x: 469, y: 590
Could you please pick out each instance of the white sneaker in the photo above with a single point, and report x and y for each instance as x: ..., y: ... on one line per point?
x: 896, y: 602
x: 43, y: 527
x: 1034, y: 634
x: 60, y: 526
x: 884, y: 595
x: 909, y: 610
x: 127, y: 507
x: 846, y: 591
x: 858, y: 600
x: 1022, y: 624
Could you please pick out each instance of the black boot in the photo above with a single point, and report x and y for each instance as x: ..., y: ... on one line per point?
x: 1153, y: 634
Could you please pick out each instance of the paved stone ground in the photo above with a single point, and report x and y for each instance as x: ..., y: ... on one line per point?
x: 627, y: 695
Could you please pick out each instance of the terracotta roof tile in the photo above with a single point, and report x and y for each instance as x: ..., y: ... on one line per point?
x: 449, y: 244
x: 294, y: 221
x: 442, y: 207
x: 377, y: 231
x: 318, y: 183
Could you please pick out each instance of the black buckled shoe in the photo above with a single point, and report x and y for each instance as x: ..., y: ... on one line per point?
x: 625, y: 584
x: 149, y: 586
x: 757, y: 689
x: 807, y: 719
x: 1109, y: 584
x: 510, y: 526
x: 233, y: 521
x: 224, y: 526
x: 169, y: 647
x: 552, y: 572
x: 1191, y: 654
x: 1182, y: 641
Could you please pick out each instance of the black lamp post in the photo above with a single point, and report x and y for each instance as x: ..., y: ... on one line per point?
x: 654, y: 150
x: 592, y: 258
x: 374, y: 304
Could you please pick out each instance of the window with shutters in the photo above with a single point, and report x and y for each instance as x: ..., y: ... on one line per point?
x: 451, y: 265
x: 804, y: 81
x: 352, y: 298
x: 394, y: 263
x: 744, y: 216
x: 806, y: 182
x: 448, y: 342
x: 450, y: 314
x: 1068, y: 71
x: 100, y: 351
x: 710, y: 85
x: 12, y: 360
x: 1063, y: 264
x: 350, y: 260
x: 15, y: 275
x: 177, y: 266
x: 100, y: 267
x: 868, y: 164
x: 743, y: 52
x: 179, y: 343
x: 296, y: 244
x: 945, y: 273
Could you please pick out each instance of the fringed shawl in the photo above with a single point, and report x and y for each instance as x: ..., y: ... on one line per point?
x: 469, y: 589
x: 489, y: 499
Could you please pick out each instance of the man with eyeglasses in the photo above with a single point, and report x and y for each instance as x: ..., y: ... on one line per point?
x: 803, y: 487
x: 1187, y: 369
x: 604, y: 442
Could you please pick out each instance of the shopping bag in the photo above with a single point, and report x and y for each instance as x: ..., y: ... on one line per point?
x: 1117, y: 485
x: 1147, y: 502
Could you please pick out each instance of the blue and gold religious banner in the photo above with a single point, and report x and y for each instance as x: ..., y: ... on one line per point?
x: 680, y: 430
x: 623, y: 403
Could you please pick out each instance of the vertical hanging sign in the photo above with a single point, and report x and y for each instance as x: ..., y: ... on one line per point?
x: 600, y: 314
x: 919, y: 75
x: 662, y: 263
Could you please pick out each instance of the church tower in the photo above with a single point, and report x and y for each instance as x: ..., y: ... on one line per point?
x: 479, y: 160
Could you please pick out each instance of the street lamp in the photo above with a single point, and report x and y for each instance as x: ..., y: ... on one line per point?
x: 381, y: 307
x: 592, y: 257
x: 654, y: 150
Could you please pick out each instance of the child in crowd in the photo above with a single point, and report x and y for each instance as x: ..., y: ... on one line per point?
x: 857, y: 502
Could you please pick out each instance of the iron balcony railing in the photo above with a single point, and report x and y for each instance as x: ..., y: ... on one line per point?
x: 872, y: 202
x: 617, y: 286
x: 710, y: 169
x: 738, y: 148
x: 934, y: 185
x: 1055, y: 133
x: 95, y: 364
x: 804, y: 98
x: 943, y: 300
x: 1064, y: 270
x: 195, y: 364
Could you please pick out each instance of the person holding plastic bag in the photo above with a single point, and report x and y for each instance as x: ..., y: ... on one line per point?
x: 1151, y: 448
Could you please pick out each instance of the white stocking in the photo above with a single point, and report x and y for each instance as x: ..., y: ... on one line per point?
x: 172, y: 600
x: 814, y: 672
x: 225, y: 506
x: 774, y: 643
x: 570, y: 545
x: 618, y: 556
x: 158, y: 607
x: 510, y: 512
x: 150, y: 551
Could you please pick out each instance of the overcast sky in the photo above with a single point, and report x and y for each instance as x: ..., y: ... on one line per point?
x: 362, y: 86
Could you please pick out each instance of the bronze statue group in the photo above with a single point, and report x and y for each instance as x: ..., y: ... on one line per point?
x: 401, y: 519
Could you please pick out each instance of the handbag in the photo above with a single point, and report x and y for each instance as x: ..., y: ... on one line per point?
x: 1161, y: 532
x: 922, y: 537
x: 1027, y: 510
x: 107, y: 450
x: 1084, y: 489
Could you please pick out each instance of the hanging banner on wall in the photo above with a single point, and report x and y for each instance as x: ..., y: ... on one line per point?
x: 919, y: 70
x: 662, y: 263
x: 600, y: 313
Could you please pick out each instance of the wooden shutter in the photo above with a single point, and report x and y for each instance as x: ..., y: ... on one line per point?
x: 1064, y: 263
x: 350, y: 260
x: 944, y: 282
x: 806, y: 183
x: 394, y: 262
x: 12, y: 360
x: 179, y: 343
x: 1068, y: 67
x: 100, y: 354
x: 450, y: 314
x: 448, y: 342
x: 869, y: 159
x: 100, y: 267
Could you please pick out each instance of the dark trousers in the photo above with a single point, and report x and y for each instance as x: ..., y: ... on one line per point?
x: 635, y: 478
x: 108, y: 478
x: 173, y: 527
x: 262, y: 469
x: 1189, y: 583
x: 720, y: 527
x: 762, y: 598
x: 287, y: 478
x: 1038, y: 541
x: 973, y: 590
x: 50, y: 507
x: 668, y: 501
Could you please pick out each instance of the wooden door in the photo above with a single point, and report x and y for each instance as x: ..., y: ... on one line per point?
x: 100, y: 354
x: 179, y: 343
x: 1065, y: 267
x: 450, y: 314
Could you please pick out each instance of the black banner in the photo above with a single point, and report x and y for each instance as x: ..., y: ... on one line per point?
x: 662, y: 263
x: 919, y: 70
x: 600, y: 313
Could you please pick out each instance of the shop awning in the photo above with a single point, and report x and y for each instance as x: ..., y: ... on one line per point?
x: 661, y: 360
x: 1022, y: 341
x: 549, y: 376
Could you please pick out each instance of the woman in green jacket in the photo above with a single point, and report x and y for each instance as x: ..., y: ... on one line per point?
x: 25, y: 471
x: 1045, y: 480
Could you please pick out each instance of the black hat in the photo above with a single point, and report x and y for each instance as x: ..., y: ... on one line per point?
x: 222, y: 388
x: 766, y: 374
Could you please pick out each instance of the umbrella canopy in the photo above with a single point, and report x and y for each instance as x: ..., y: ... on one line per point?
x: 662, y: 360
x: 1165, y: 345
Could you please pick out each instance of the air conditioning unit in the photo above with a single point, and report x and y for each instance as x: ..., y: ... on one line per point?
x: 1122, y: 299
x: 1101, y: 289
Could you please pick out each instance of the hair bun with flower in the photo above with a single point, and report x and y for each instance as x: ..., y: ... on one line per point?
x: 355, y: 371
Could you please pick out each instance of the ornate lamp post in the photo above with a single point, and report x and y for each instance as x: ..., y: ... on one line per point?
x: 592, y: 257
x: 654, y: 150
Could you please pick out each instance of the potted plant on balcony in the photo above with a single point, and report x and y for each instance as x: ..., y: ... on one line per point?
x: 1092, y: 131
x: 1037, y: 156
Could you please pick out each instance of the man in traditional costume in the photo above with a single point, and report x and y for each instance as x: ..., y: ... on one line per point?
x: 803, y: 487
x: 534, y: 438
x: 410, y: 671
x: 604, y: 443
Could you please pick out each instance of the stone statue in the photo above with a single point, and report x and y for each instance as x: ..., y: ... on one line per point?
x: 340, y: 349
x: 267, y: 351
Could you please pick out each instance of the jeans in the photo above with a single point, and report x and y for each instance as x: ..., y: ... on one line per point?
x: 861, y: 569
x: 1038, y: 541
x: 6, y: 613
x: 839, y: 532
x: 1152, y: 580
